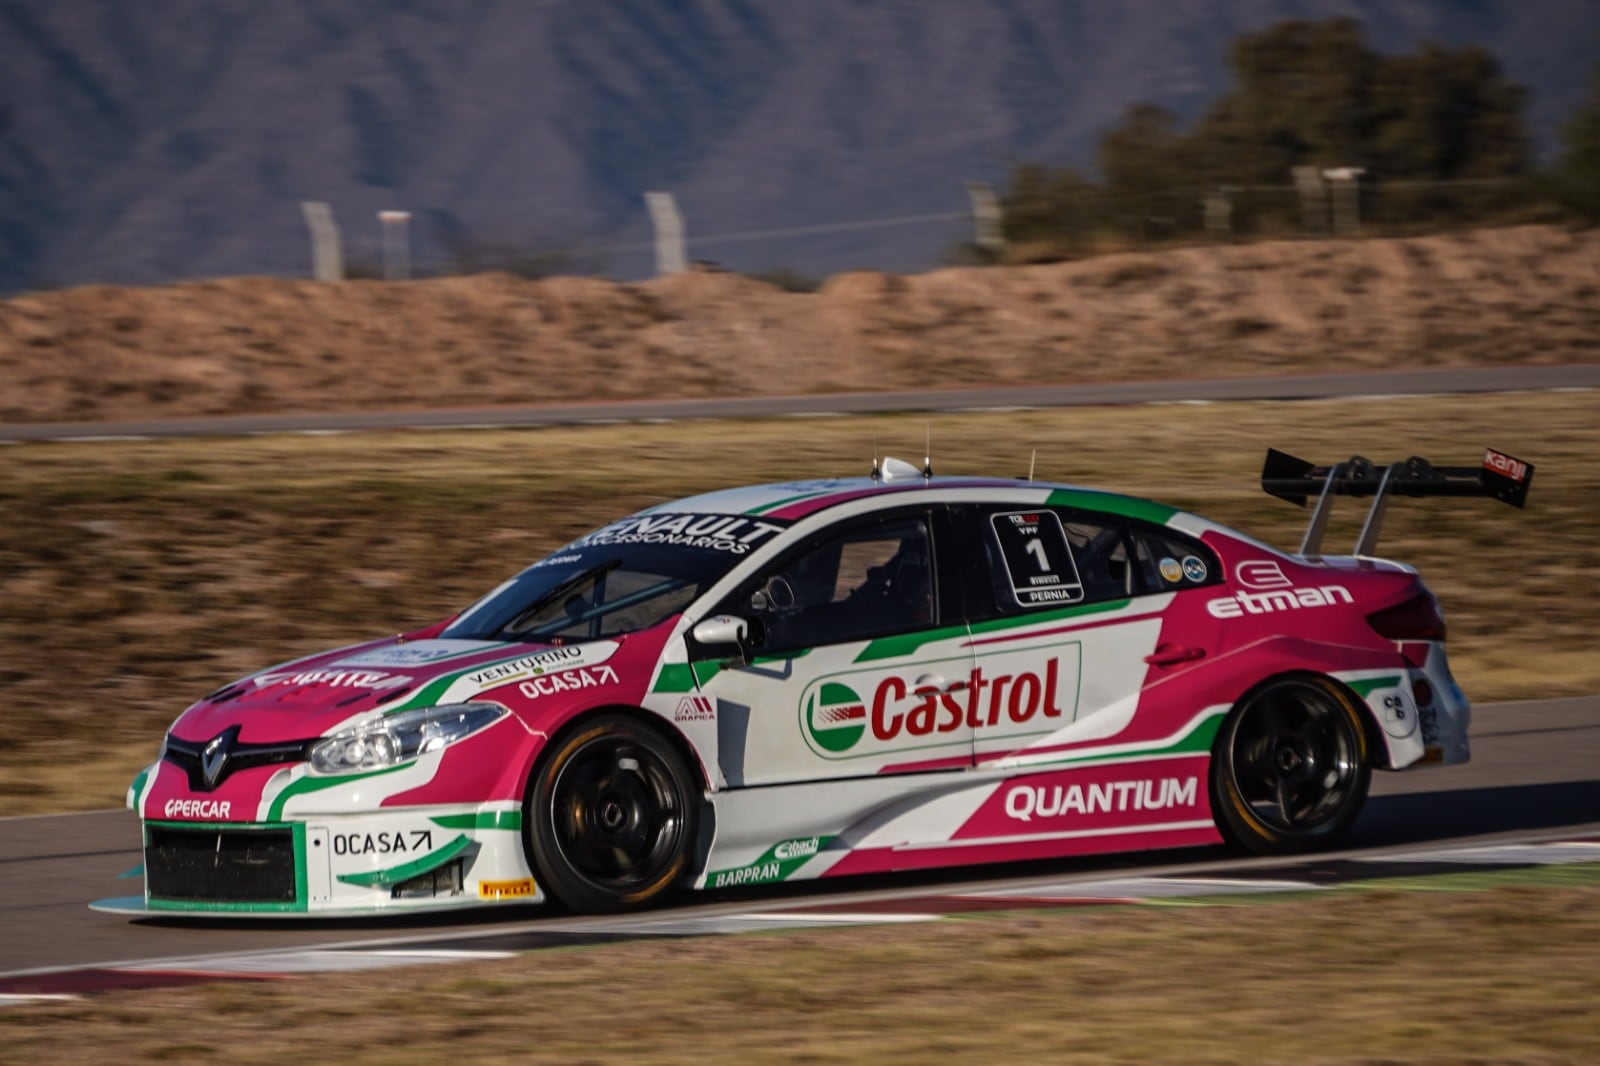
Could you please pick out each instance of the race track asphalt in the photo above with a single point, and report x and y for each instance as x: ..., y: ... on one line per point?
x: 1168, y: 390
x: 1535, y: 775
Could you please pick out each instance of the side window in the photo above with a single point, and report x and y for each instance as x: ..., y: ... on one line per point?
x: 1050, y: 558
x: 867, y: 582
x: 1170, y: 562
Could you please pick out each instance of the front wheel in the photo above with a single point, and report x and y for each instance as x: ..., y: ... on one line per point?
x: 1290, y: 770
x: 610, y: 816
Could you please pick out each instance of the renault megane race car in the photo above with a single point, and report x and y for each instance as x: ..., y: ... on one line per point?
x: 824, y: 678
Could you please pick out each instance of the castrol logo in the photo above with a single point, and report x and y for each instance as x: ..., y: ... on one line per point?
x: 838, y: 717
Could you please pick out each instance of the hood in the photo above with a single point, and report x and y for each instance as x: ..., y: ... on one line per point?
x: 314, y: 696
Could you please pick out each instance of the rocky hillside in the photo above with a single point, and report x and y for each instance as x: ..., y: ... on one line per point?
x: 1518, y: 295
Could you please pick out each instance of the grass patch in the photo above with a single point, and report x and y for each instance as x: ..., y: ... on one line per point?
x: 1498, y: 976
x: 137, y: 576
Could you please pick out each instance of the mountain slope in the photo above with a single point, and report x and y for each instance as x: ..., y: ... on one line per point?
x: 143, y: 142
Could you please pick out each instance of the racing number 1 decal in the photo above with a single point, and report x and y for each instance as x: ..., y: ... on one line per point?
x: 1038, y: 559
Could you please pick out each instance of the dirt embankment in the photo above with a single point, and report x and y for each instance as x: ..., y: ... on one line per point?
x: 1526, y: 294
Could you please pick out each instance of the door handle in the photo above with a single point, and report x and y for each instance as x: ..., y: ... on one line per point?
x: 938, y: 684
x: 1172, y: 654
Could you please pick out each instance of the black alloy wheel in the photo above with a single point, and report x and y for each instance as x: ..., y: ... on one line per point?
x: 1290, y: 770
x: 610, y: 816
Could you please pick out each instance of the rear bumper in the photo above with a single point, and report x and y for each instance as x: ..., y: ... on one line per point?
x: 1422, y: 713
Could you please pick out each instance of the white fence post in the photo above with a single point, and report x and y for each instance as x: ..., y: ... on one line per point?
x: 1345, y: 188
x: 671, y: 257
x: 1313, y: 199
x: 396, y: 244
x: 987, y: 230
x: 327, y: 253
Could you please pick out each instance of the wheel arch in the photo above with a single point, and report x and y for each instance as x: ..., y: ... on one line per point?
x: 1372, y: 735
x: 669, y: 732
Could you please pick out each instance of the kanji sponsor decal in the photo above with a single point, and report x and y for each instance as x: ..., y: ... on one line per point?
x: 1504, y: 465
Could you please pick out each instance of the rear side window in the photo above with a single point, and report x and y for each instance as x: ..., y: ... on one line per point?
x: 1171, y: 562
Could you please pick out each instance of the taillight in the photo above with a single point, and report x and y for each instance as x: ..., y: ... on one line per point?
x: 1415, y: 619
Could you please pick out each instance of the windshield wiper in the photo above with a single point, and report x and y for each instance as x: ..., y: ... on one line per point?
x: 557, y: 593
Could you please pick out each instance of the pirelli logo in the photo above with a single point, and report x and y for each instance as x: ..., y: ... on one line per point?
x: 519, y: 889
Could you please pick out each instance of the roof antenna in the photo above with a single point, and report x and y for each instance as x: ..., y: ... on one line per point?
x: 1034, y: 458
x: 877, y: 471
x: 927, y: 452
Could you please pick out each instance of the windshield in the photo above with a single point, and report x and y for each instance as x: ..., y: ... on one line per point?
x: 627, y: 576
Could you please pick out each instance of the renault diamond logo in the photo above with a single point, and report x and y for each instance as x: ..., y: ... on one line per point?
x: 214, y: 757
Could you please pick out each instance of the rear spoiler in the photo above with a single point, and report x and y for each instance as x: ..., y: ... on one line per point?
x: 1499, y: 476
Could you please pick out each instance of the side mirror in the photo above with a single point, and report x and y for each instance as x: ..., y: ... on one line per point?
x: 721, y: 631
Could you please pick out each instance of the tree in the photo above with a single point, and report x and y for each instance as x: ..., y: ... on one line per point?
x: 1152, y: 172
x: 1300, y: 96
x: 1049, y: 205
x: 1446, y: 114
x: 1578, y: 170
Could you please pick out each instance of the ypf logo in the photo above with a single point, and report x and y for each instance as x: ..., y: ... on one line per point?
x: 835, y: 717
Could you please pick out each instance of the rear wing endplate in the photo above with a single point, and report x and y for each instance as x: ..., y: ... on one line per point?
x: 1499, y: 476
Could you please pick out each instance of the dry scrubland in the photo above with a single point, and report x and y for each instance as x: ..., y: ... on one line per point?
x: 1506, y: 975
x: 136, y: 576
x: 1527, y: 294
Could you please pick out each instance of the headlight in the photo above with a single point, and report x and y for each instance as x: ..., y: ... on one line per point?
x: 387, y: 741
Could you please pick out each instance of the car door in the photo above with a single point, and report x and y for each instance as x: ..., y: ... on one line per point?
x: 1066, y: 620
x: 857, y: 664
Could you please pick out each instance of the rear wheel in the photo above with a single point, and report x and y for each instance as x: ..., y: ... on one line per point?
x: 610, y: 816
x: 1290, y: 770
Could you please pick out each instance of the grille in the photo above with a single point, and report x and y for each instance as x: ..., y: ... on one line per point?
x: 187, y: 754
x: 220, y: 865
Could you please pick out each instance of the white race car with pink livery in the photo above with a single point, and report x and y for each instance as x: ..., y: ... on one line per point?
x: 825, y: 678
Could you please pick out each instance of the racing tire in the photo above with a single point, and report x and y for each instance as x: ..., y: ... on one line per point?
x: 610, y: 816
x: 1290, y: 771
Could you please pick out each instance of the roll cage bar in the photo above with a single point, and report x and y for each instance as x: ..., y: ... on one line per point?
x: 1499, y: 477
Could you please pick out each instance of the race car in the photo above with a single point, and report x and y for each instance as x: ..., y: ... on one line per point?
x: 824, y: 678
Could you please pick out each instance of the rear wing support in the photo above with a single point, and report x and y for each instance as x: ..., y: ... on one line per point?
x: 1499, y: 477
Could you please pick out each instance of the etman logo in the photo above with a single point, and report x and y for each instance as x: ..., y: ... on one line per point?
x: 1261, y: 574
x: 1271, y: 602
